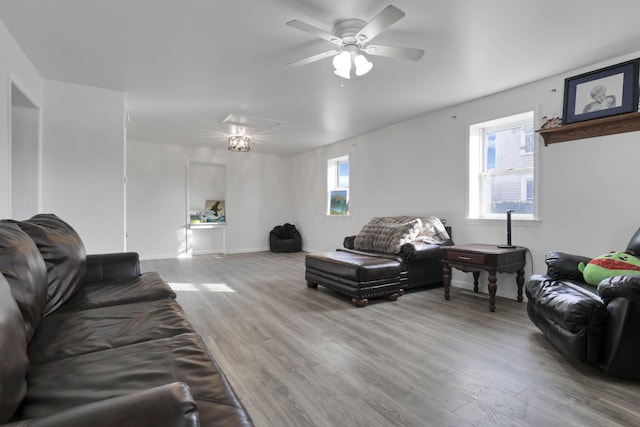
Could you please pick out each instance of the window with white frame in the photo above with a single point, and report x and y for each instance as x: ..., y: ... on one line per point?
x: 338, y: 186
x: 501, y: 167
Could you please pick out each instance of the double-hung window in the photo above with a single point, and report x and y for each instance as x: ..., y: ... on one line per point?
x: 338, y: 186
x: 502, y: 167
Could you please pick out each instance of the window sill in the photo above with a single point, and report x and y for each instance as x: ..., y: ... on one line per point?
x: 204, y: 225
x: 534, y: 222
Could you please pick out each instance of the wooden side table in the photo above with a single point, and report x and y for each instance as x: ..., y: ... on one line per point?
x: 479, y: 257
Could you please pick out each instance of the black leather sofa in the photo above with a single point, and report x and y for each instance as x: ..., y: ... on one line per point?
x: 599, y: 326
x: 87, y: 340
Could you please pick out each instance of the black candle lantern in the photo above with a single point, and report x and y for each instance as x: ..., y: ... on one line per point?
x: 508, y: 245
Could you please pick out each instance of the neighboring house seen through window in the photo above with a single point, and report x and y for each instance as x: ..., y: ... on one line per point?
x: 501, y: 168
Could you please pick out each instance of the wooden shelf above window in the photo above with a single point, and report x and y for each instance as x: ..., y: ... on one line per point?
x: 588, y: 129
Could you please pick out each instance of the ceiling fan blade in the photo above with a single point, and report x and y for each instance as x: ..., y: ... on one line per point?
x: 381, y: 22
x: 303, y: 26
x: 314, y: 58
x: 394, y: 52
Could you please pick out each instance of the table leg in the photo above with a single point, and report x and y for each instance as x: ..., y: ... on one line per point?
x: 476, y: 276
x: 446, y: 278
x: 492, y: 290
x: 520, y: 282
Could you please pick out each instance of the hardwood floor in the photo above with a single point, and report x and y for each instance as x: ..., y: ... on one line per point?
x: 299, y: 357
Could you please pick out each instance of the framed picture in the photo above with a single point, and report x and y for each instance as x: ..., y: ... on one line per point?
x: 601, y: 93
x: 339, y: 202
x: 214, y: 211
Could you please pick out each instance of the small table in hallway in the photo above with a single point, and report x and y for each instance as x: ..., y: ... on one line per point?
x: 479, y: 257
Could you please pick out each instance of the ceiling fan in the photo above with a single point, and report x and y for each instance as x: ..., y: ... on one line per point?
x: 351, y: 38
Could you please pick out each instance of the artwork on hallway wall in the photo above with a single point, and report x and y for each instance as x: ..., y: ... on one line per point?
x: 213, y: 212
x: 601, y: 93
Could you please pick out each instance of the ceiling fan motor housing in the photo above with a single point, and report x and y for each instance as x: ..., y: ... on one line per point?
x: 347, y: 30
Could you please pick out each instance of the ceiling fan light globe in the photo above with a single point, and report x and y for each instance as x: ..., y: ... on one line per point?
x: 342, y: 73
x: 363, y: 66
x: 342, y: 61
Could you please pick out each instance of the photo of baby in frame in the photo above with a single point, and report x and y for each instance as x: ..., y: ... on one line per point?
x: 601, y: 93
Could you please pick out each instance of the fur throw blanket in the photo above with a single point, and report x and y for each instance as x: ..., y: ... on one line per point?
x: 389, y: 234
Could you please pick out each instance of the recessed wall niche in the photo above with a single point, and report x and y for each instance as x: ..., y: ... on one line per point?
x: 206, y: 208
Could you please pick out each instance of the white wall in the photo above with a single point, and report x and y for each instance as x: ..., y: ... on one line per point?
x: 15, y: 68
x: 207, y: 181
x: 589, y: 202
x: 83, y: 162
x: 25, y: 165
x: 258, y: 197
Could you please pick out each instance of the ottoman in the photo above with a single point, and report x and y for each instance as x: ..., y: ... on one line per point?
x: 359, y: 276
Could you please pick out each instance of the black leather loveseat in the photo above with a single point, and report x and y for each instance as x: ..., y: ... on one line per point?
x: 600, y: 326
x: 90, y: 341
x: 420, y: 261
x: 383, y: 260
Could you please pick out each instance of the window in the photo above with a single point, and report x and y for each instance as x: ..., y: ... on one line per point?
x: 527, y: 189
x: 501, y: 167
x: 338, y: 186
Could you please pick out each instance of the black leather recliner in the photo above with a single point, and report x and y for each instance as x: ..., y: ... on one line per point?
x: 600, y: 326
x: 285, y: 238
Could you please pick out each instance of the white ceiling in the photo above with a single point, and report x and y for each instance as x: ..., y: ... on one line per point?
x: 185, y: 65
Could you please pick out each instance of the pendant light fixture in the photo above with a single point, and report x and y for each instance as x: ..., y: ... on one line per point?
x: 239, y: 143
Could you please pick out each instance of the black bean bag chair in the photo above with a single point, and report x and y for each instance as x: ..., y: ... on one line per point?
x: 285, y: 238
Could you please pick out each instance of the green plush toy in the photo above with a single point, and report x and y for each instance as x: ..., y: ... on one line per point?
x: 609, y: 265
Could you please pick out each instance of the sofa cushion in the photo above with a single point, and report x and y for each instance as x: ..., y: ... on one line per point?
x: 568, y: 304
x: 91, y: 377
x: 25, y: 271
x: 71, y: 333
x: 63, y: 253
x: 168, y: 405
x: 13, y: 357
x: 148, y: 286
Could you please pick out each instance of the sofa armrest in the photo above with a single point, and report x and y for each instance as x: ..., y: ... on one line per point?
x: 168, y: 405
x: 101, y: 267
x: 627, y: 286
x: 426, y: 250
x: 348, y: 242
x: 563, y: 266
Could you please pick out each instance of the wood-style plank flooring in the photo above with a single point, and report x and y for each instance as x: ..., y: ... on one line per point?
x: 300, y: 357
